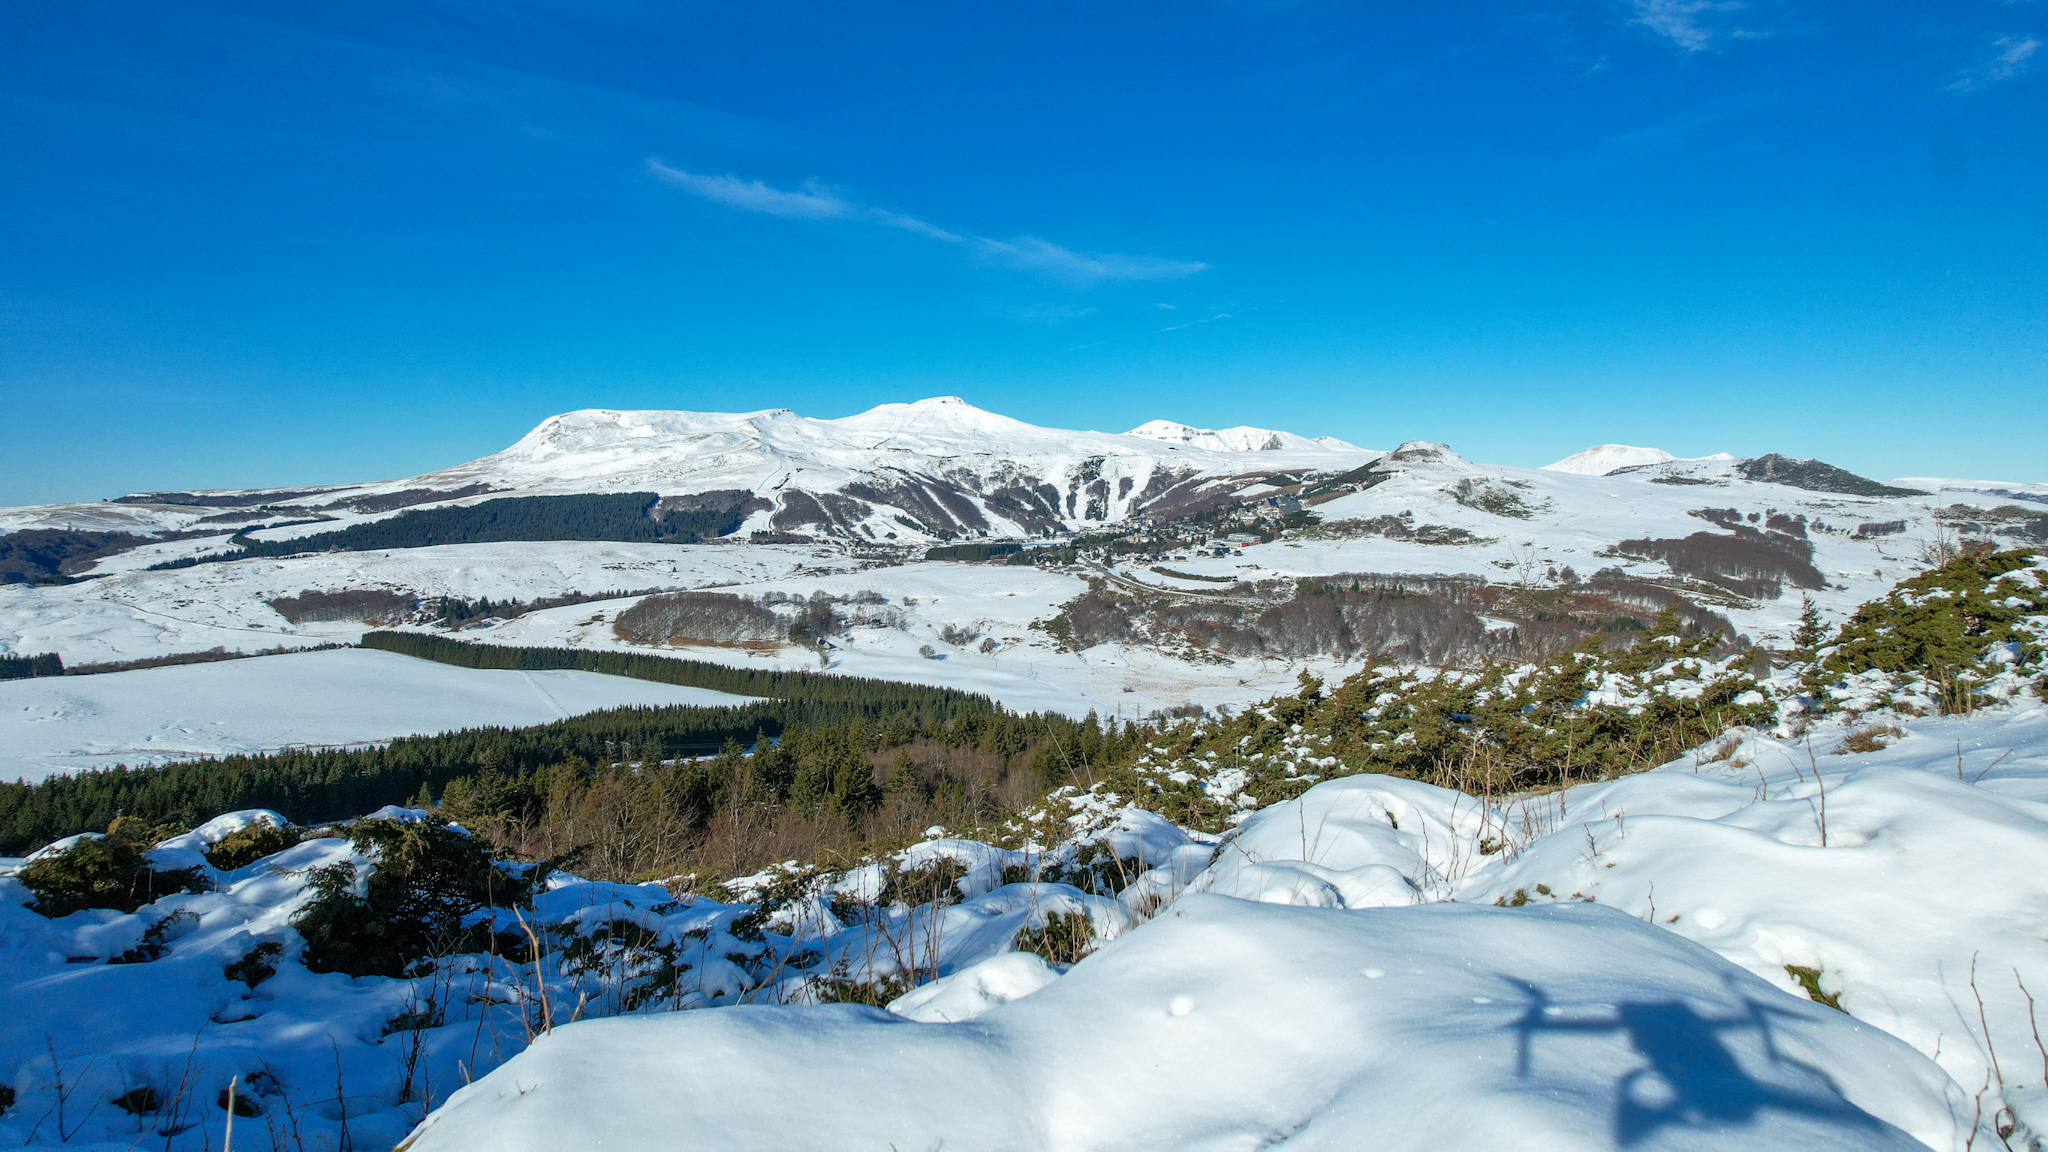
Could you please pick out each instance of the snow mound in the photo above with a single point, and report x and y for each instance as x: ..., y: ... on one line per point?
x: 1229, y: 1024
x: 1601, y: 459
x: 975, y: 990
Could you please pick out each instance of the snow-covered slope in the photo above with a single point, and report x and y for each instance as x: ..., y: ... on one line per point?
x: 1339, y: 975
x: 896, y: 472
x: 1601, y: 459
x: 1228, y: 1025
x: 58, y: 724
x: 1239, y: 439
x: 1420, y: 509
x: 1396, y: 1003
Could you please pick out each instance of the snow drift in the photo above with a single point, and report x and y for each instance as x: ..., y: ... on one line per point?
x: 1228, y: 1024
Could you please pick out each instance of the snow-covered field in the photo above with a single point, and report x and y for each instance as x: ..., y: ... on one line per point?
x: 137, y: 614
x: 1517, y: 525
x: 1381, y: 963
x: 1576, y: 522
x: 336, y: 697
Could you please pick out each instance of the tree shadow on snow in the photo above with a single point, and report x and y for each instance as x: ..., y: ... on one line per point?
x: 1690, y: 1077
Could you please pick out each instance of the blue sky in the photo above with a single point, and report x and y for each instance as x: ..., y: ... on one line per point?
x: 254, y: 243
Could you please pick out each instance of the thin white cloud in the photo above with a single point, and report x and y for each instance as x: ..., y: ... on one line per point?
x: 2009, y: 57
x: 813, y: 201
x: 913, y: 224
x: 1192, y: 323
x: 1683, y: 22
x: 1035, y: 255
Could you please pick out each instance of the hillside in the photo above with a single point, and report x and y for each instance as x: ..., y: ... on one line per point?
x: 1130, y: 574
x: 1384, y: 909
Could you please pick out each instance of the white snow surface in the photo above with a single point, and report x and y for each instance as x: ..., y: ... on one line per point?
x: 676, y: 452
x: 1239, y: 439
x: 1601, y: 459
x: 61, y: 724
x: 1227, y: 1024
x: 1566, y: 520
x: 1340, y: 975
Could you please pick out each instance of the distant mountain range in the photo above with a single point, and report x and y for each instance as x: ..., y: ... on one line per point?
x: 935, y: 469
x: 900, y: 474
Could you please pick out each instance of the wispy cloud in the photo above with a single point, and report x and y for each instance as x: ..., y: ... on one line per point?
x: 2009, y: 57
x: 811, y: 202
x: 1683, y: 22
x: 1035, y: 255
x: 814, y: 201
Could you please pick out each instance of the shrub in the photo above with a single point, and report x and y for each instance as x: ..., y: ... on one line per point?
x: 155, y: 939
x: 1940, y: 626
x: 142, y: 1101
x: 422, y: 899
x: 1869, y: 738
x: 935, y: 882
x: 244, y: 847
x: 874, y: 991
x: 1064, y: 938
x: 104, y: 872
x: 1809, y: 979
x: 1485, y: 497
x: 1096, y: 869
x: 256, y: 965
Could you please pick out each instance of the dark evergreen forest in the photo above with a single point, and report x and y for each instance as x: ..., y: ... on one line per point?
x: 626, y: 517
x: 314, y: 786
x: 23, y: 667
x: 49, y: 555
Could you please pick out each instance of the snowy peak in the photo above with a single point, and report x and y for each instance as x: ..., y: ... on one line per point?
x: 944, y: 416
x: 938, y: 468
x: 1601, y: 459
x: 1239, y: 439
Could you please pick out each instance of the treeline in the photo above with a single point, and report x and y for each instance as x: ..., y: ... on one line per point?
x: 818, y: 794
x: 23, y: 667
x: 974, y: 552
x: 314, y: 786
x: 792, y: 775
x: 52, y: 555
x: 858, y: 695
x: 628, y: 517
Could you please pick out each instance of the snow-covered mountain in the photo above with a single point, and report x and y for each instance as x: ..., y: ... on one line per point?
x: 1601, y: 459
x: 934, y: 469
x: 1239, y: 439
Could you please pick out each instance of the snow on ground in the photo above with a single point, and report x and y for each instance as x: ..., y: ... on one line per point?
x: 1601, y: 459
x: 60, y: 724
x: 1381, y: 963
x: 1936, y: 858
x: 1571, y: 521
x: 136, y: 614
x: 139, y: 519
x: 1227, y: 1024
x: 1575, y: 521
x: 1025, y: 672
